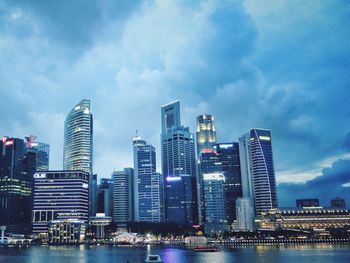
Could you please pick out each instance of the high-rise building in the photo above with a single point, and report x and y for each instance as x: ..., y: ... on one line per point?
x: 214, y: 197
x: 246, y: 166
x: 178, y: 152
x: 123, y: 196
x: 228, y: 156
x: 59, y: 195
x: 206, y: 133
x: 42, y: 151
x: 208, y: 163
x: 105, y: 197
x: 245, y: 214
x: 310, y: 202
x: 338, y: 203
x: 78, y: 143
x: 148, y: 184
x: 17, y: 167
x: 181, y: 205
x: 264, y: 180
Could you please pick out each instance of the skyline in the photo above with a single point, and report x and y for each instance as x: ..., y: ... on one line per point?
x: 239, y: 61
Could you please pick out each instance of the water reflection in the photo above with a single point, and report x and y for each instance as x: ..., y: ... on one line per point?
x: 105, y: 254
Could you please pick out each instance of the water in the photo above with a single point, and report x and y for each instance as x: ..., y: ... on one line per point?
x: 103, y: 254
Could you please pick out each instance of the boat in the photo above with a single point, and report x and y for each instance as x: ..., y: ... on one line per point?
x: 206, y: 249
x: 153, y: 259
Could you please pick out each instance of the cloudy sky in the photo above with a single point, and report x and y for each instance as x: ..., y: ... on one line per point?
x: 282, y: 65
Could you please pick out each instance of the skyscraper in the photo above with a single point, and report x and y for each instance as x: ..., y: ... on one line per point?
x: 42, y: 151
x: 78, y: 141
x: 181, y: 205
x: 17, y: 167
x: 148, y: 184
x: 123, y: 196
x: 228, y: 155
x: 78, y: 144
x: 206, y: 133
x: 178, y: 151
x: 264, y: 180
x: 59, y: 195
x: 105, y: 197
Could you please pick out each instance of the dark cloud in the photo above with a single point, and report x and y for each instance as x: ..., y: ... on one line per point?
x: 281, y: 66
x: 334, y: 182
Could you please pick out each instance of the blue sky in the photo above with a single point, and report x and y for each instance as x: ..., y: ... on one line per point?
x: 282, y: 65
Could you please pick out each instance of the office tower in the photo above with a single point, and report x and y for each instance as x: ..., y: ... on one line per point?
x: 228, y: 155
x: 17, y: 167
x: 311, y: 202
x: 206, y: 133
x: 246, y: 166
x: 245, y: 214
x: 208, y: 163
x: 265, y: 192
x: 123, y: 196
x: 181, y: 205
x: 214, y: 198
x: 148, y: 184
x: 59, y: 195
x: 338, y: 203
x: 42, y: 151
x: 78, y: 143
x: 105, y: 197
x: 178, y: 153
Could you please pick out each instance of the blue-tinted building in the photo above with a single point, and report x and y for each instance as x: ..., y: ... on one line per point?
x: 228, y: 156
x: 17, y: 167
x: 123, y: 196
x: 148, y: 184
x: 178, y: 153
x: 59, y: 195
x: 180, y: 202
x: 105, y: 197
x: 264, y: 180
x: 42, y: 151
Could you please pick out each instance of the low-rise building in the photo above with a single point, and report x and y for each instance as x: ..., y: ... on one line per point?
x: 69, y: 231
x: 305, y: 218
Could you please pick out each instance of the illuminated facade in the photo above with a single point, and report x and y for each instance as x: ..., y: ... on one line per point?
x: 17, y: 167
x: 264, y: 180
x: 59, y: 195
x: 148, y: 184
x: 68, y: 231
x: 78, y: 143
x: 206, y: 133
x: 77, y: 154
x: 307, y: 218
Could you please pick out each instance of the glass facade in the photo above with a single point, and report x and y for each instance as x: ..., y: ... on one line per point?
x: 77, y: 152
x: 148, y: 184
x: 17, y: 167
x: 264, y: 180
x: 178, y: 153
x: 180, y: 202
x: 123, y: 196
x: 59, y: 195
x: 78, y: 144
x: 228, y: 156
